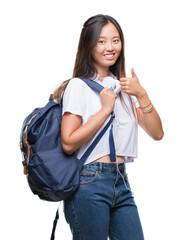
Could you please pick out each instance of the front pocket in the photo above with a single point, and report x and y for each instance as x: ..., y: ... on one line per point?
x: 125, y: 175
x: 88, y: 176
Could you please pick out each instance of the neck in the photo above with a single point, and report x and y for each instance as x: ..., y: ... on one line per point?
x: 101, y: 77
x: 104, y: 72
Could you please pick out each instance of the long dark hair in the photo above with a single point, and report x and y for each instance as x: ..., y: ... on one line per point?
x: 84, y: 64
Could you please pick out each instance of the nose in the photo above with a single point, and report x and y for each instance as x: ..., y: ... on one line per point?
x: 109, y: 46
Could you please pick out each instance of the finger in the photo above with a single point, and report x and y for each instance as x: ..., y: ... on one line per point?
x: 112, y: 93
x: 123, y: 84
x: 105, y: 89
x: 127, y: 91
x: 125, y: 87
x: 133, y: 72
x: 123, y: 79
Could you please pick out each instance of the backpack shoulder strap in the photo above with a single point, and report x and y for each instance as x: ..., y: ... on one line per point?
x: 94, y: 85
x: 98, y: 88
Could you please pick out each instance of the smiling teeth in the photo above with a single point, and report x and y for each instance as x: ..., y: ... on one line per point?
x: 110, y: 55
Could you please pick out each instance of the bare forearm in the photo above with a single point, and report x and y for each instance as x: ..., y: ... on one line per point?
x: 82, y: 134
x: 151, y: 120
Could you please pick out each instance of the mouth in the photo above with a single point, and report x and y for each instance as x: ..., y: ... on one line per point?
x: 110, y: 56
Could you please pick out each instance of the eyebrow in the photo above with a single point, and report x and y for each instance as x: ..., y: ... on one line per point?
x: 113, y: 37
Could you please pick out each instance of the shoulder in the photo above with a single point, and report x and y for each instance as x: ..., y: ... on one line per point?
x: 76, y: 83
x: 76, y: 89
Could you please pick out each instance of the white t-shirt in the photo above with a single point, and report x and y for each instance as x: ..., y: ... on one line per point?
x: 81, y: 100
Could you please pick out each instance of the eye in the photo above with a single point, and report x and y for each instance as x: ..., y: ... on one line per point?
x: 101, y: 41
x: 116, y: 41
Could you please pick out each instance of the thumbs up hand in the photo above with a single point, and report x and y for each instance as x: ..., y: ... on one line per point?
x: 131, y: 85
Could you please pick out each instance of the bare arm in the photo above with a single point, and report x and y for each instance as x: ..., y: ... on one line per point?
x: 73, y: 136
x: 151, y: 121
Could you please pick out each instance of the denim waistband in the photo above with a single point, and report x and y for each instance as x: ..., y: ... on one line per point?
x: 105, y: 167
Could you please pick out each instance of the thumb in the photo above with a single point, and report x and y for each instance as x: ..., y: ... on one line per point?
x: 133, y: 72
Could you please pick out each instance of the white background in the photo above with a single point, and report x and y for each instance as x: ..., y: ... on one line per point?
x: 38, y: 45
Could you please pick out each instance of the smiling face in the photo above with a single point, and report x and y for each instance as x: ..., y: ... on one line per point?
x: 107, y: 49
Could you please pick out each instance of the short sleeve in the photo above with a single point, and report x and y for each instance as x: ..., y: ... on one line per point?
x: 135, y: 102
x: 73, y: 98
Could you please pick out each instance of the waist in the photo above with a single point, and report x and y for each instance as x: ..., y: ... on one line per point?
x: 104, y: 167
x: 106, y: 159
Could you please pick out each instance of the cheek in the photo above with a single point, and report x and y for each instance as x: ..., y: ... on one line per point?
x: 118, y: 51
x: 97, y: 53
x: 98, y: 49
x: 95, y: 57
x: 119, y: 48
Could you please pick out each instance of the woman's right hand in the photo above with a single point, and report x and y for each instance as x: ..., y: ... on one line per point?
x: 108, y: 100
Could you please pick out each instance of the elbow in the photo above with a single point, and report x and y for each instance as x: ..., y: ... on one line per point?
x: 68, y: 149
x: 67, y: 145
x: 159, y: 136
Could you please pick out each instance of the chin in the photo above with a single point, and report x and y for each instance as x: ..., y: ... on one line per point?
x: 110, y: 64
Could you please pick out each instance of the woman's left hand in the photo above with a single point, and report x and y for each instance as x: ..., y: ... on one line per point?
x: 131, y: 85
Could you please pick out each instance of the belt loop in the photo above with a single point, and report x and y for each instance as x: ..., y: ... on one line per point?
x: 100, y: 167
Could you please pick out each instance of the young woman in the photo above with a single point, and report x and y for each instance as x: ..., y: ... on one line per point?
x: 104, y: 205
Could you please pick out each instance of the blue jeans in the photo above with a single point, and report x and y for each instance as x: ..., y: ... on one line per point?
x: 103, y: 206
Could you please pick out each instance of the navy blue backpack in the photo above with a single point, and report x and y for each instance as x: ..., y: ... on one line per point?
x: 51, y: 173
